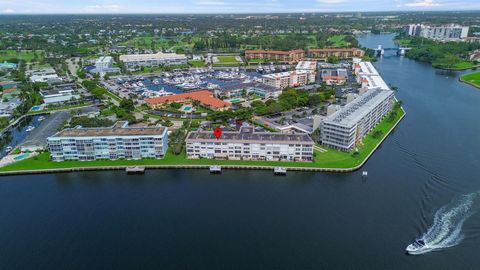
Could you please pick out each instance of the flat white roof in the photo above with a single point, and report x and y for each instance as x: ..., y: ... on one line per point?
x: 366, y: 68
x: 351, y: 113
x: 147, y: 57
x: 284, y: 74
x: 306, y: 65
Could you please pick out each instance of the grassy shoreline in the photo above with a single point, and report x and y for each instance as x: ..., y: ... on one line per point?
x: 331, y: 160
x: 472, y: 79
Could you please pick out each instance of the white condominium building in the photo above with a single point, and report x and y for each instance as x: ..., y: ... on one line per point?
x: 104, y: 64
x: 249, y: 145
x: 368, y: 76
x: 116, y: 142
x: 444, y: 32
x: 345, y: 128
x: 148, y: 60
x: 290, y: 78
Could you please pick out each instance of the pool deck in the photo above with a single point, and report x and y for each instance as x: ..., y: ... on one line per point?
x: 9, y: 159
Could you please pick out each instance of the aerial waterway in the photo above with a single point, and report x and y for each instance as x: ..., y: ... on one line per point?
x: 418, y: 184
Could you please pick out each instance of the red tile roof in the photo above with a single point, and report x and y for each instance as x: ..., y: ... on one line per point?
x: 204, y: 96
x: 334, y: 50
x: 274, y: 51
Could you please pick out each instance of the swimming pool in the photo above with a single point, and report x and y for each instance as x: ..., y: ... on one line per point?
x: 22, y: 156
x: 35, y: 108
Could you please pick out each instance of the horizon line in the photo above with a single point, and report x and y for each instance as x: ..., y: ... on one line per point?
x: 237, y: 13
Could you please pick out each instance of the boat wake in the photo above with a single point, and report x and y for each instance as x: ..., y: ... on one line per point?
x: 446, y: 230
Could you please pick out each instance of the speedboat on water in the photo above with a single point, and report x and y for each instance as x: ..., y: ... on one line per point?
x: 418, y: 247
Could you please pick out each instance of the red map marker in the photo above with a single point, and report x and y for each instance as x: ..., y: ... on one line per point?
x: 217, y: 132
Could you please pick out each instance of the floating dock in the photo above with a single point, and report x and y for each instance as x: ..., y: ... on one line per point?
x: 135, y: 170
x: 215, y: 169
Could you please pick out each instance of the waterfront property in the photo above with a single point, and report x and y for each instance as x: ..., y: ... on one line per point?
x: 117, y: 142
x: 135, y: 61
x: 342, y: 53
x: 288, y: 57
x: 289, y: 78
x: 60, y: 94
x: 204, y: 97
x: 368, y: 76
x: 247, y: 144
x: 442, y: 32
x: 345, y: 128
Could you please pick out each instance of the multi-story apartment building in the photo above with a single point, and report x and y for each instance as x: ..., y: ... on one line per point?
x: 249, y: 145
x: 289, y: 78
x: 345, y: 128
x: 116, y: 142
x: 104, y: 64
x: 342, y: 53
x: 288, y: 57
x: 134, y: 61
x: 237, y: 90
x: 444, y: 32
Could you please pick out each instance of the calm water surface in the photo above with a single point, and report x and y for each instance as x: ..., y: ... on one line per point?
x: 188, y: 219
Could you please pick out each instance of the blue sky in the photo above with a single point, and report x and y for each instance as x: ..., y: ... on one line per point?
x: 227, y: 6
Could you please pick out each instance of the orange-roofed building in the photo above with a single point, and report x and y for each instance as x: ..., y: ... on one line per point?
x: 288, y: 57
x: 205, y: 98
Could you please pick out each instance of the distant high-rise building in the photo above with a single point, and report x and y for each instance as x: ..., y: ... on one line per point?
x: 445, y: 32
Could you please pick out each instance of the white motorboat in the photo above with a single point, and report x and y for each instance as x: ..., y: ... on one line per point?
x: 418, y: 247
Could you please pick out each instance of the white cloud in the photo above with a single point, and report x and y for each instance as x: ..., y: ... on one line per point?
x: 8, y: 10
x: 423, y: 3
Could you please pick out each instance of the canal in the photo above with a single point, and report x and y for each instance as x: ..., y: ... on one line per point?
x: 423, y: 181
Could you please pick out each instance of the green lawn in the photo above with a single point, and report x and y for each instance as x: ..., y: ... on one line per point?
x: 464, y: 65
x: 146, y: 43
x: 226, y: 61
x: 196, y: 63
x: 113, y: 96
x: 60, y: 108
x: 329, y: 159
x: 404, y: 41
x: 27, y: 56
x: 472, y: 78
x: 338, y: 41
